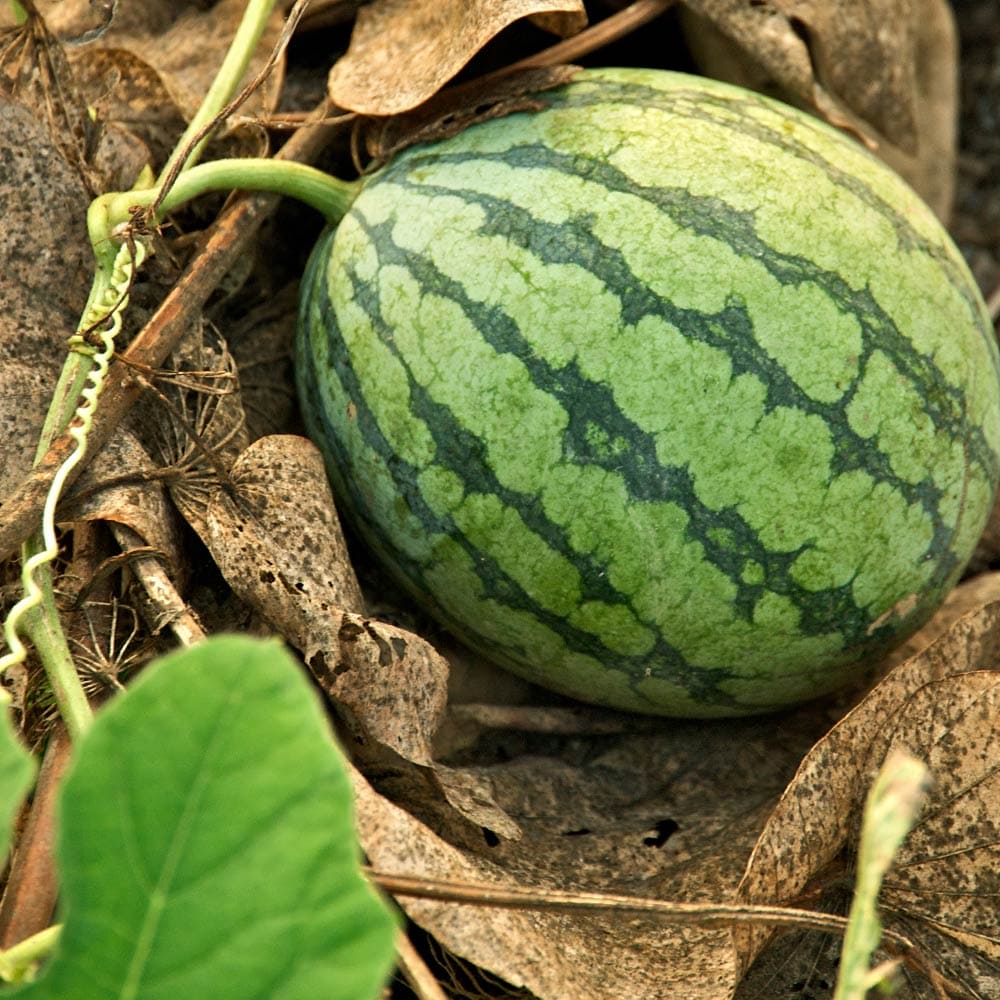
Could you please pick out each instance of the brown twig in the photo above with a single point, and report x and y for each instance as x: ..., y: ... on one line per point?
x: 30, y: 896
x: 612, y: 28
x: 166, y: 608
x: 691, y: 914
x: 698, y: 914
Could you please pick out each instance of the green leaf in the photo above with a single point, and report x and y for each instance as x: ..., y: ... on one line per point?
x: 17, y: 770
x: 207, y: 843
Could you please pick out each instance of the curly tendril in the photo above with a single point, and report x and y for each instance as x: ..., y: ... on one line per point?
x: 104, y: 318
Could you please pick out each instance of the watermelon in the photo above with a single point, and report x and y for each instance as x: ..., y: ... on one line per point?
x: 667, y: 397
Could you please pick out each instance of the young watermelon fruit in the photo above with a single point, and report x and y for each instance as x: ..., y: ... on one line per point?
x: 667, y: 397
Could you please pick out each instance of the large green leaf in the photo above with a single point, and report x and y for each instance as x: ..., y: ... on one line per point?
x: 207, y: 846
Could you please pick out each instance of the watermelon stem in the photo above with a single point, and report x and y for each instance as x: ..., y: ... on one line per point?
x: 329, y: 195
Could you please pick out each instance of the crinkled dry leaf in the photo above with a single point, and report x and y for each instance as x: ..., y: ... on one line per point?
x: 278, y: 542
x: 183, y: 42
x: 860, y: 51
x: 885, y: 69
x: 120, y: 485
x: 34, y: 69
x: 127, y: 92
x: 944, y: 891
x: 39, y: 70
x: 669, y: 812
x: 279, y: 491
x: 295, y: 569
x: 556, y: 956
x: 404, y: 51
x: 45, y: 263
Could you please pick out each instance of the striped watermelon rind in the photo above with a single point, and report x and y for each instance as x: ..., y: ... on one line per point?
x: 667, y: 397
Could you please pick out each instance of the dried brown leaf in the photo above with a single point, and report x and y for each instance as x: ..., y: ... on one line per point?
x: 277, y: 540
x: 45, y: 261
x: 279, y: 545
x: 183, y: 43
x: 943, y: 708
x: 556, y: 956
x: 860, y: 51
x: 35, y: 70
x: 120, y: 485
x: 667, y: 811
x: 944, y: 888
x: 127, y: 93
x: 404, y: 51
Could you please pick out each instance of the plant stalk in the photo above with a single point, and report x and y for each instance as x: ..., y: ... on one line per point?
x: 233, y: 67
x: 327, y: 194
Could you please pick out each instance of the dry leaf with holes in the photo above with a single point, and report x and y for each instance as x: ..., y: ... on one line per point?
x: 46, y: 264
x: 943, y: 892
x: 403, y: 51
x: 670, y: 812
x: 277, y: 540
x: 885, y: 69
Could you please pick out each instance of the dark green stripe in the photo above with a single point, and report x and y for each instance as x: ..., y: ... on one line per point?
x: 711, y: 217
x: 726, y: 539
x: 455, y: 450
x: 731, y: 331
x: 696, y: 104
x: 645, y: 478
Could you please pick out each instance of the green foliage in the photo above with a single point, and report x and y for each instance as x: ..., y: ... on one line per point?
x: 207, y: 846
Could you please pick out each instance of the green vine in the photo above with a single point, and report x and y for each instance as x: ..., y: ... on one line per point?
x: 36, y: 610
x: 328, y: 195
x: 113, y: 220
x: 119, y: 252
